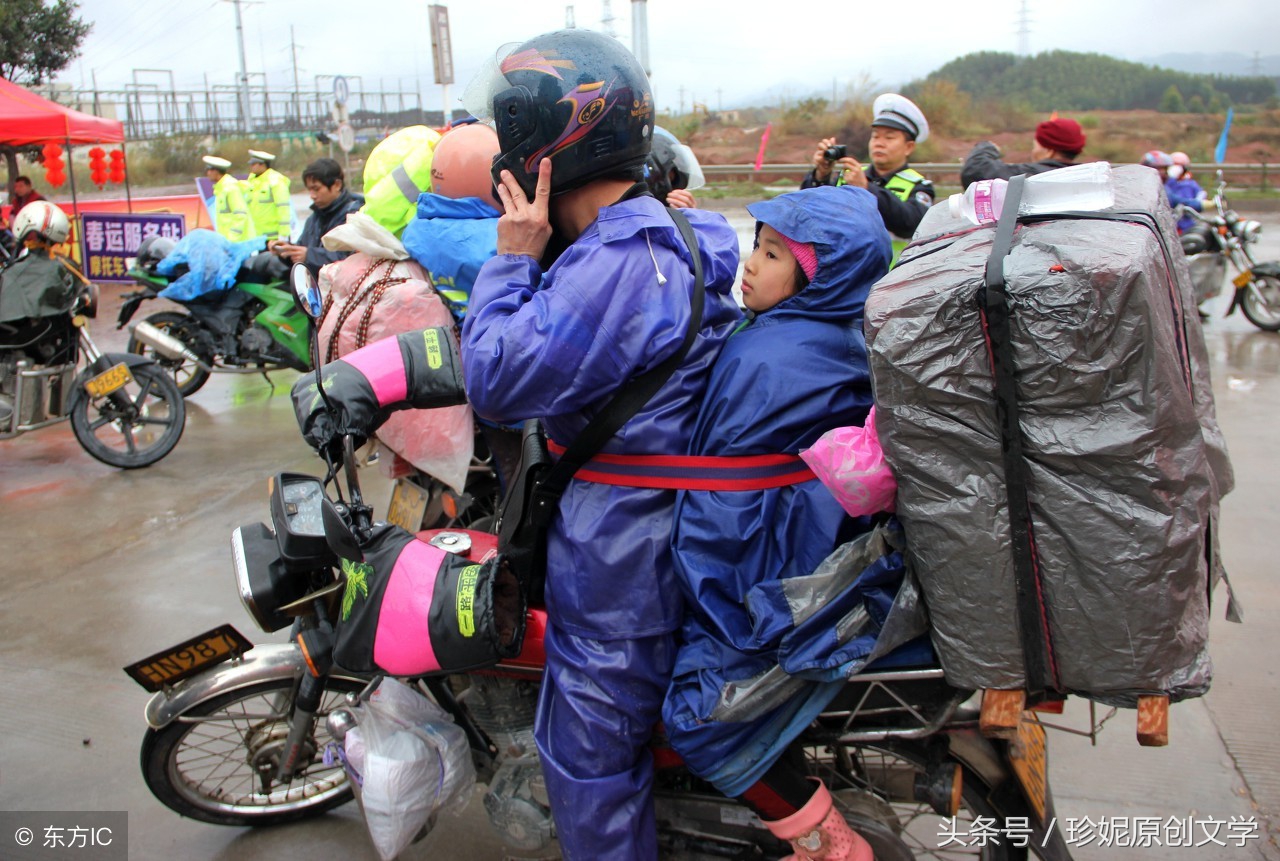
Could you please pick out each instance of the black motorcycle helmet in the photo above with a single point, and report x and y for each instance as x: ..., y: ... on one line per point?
x: 152, y: 250
x: 575, y: 96
x: 671, y: 165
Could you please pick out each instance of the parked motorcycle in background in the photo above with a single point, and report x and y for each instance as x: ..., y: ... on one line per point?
x: 124, y: 409
x: 1220, y: 236
x: 238, y: 734
x: 253, y: 328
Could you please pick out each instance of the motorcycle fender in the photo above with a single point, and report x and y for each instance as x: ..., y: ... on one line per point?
x: 133, y: 360
x: 262, y: 663
x: 1270, y: 270
x: 981, y: 756
x: 109, y: 360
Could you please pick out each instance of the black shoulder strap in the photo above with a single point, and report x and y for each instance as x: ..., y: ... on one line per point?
x: 635, y: 394
x: 1033, y: 628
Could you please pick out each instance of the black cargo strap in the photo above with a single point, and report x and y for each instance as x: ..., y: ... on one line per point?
x: 1033, y: 623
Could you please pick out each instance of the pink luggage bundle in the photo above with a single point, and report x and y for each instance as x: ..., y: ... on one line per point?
x: 369, y: 298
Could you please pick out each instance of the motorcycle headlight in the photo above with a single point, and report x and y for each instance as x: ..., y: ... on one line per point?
x: 262, y: 579
x: 1250, y: 230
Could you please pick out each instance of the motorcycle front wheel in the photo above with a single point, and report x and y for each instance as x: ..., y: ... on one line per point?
x: 134, y: 426
x: 873, y: 786
x: 1261, y: 303
x: 214, y: 762
x: 188, y: 375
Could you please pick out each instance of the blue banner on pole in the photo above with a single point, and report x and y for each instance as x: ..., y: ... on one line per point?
x: 1220, y: 152
x: 109, y: 239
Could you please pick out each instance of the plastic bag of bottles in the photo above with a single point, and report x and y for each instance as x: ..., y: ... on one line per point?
x: 411, y: 762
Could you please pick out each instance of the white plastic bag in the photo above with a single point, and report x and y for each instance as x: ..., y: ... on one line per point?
x: 361, y: 233
x: 412, y: 762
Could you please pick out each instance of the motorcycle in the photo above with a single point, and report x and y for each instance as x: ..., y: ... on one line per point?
x: 1222, y: 236
x: 124, y: 409
x: 253, y: 328
x: 237, y: 733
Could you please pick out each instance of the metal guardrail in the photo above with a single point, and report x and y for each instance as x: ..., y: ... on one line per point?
x: 948, y: 172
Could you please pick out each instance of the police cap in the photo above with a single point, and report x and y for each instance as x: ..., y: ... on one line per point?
x: 898, y: 112
x: 262, y: 156
x: 217, y: 162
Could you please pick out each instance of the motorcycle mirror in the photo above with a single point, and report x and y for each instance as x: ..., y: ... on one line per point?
x: 306, y: 291
x: 339, y: 535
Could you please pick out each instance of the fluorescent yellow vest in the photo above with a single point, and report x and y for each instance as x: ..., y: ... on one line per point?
x: 270, y: 206
x: 231, y: 211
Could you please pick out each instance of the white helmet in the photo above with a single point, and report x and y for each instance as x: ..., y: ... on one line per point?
x: 43, y: 219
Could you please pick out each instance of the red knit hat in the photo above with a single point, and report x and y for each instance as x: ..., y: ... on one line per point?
x: 1060, y: 134
x: 805, y: 254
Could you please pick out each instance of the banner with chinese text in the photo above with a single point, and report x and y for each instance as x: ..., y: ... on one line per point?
x: 110, y: 238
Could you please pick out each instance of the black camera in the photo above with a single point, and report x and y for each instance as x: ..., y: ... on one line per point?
x: 835, y: 153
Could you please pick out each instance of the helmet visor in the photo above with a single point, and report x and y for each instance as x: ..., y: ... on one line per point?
x: 687, y: 164
x: 477, y: 98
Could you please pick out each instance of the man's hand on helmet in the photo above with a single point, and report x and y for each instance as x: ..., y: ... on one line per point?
x: 681, y: 199
x: 525, y: 226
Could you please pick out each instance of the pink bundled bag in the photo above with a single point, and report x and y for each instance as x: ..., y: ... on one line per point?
x: 850, y: 462
x: 369, y: 298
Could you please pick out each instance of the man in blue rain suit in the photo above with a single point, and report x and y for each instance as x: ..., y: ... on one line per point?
x: 590, y: 288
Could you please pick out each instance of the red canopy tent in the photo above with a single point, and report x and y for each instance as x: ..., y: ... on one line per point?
x: 30, y: 120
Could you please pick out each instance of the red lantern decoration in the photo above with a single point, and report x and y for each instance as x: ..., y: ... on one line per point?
x: 54, y: 169
x: 117, y: 166
x: 98, y: 166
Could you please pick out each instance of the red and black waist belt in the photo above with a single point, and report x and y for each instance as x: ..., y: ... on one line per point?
x: 687, y: 472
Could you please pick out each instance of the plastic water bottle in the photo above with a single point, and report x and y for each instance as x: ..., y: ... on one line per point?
x: 1079, y: 188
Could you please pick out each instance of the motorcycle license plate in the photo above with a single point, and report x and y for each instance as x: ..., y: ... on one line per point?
x: 1029, y: 759
x: 188, y: 658
x: 108, y: 381
x: 1243, y: 279
x: 408, y: 504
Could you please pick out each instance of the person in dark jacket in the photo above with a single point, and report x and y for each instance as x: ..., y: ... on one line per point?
x: 903, y: 195
x: 1057, y: 143
x: 331, y: 203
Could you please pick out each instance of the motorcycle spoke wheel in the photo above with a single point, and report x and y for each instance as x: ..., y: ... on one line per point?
x: 875, y: 784
x: 134, y: 426
x: 216, y: 770
x: 1261, y: 303
x: 188, y: 376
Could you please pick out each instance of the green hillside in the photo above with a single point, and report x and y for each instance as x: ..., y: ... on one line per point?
x: 1064, y: 80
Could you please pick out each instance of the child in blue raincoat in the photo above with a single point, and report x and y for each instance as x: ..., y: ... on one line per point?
x: 797, y: 370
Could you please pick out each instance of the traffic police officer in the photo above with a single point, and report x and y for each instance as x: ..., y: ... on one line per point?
x: 267, y: 193
x: 230, y: 211
x: 902, y: 193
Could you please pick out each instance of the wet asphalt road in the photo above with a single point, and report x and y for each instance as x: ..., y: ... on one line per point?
x: 105, y: 567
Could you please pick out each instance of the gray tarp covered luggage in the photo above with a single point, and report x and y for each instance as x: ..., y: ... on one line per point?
x: 1124, y: 460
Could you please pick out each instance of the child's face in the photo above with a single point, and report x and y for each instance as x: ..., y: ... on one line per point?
x: 769, y: 275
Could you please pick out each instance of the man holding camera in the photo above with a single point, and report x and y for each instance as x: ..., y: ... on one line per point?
x: 902, y: 194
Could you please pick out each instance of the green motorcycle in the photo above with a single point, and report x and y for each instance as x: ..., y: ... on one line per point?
x: 252, y: 328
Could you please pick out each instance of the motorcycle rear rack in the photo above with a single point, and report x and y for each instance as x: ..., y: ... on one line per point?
x: 27, y: 375
x: 912, y: 704
x: 899, y: 704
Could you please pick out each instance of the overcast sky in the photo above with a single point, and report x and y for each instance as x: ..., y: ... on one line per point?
x: 718, y: 52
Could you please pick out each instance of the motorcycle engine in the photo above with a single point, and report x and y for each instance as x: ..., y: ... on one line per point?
x: 256, y: 341
x: 517, y: 798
